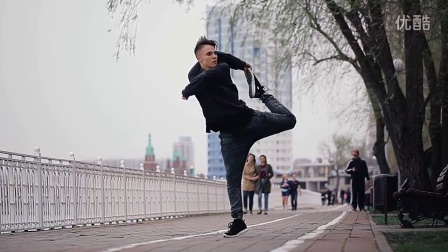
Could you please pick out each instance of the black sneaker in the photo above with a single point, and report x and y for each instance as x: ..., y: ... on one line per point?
x: 236, y: 227
x: 259, y: 89
x: 260, y: 212
x: 255, y: 88
x: 250, y: 212
x: 250, y: 78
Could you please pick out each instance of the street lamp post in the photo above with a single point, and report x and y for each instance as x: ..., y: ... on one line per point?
x: 192, y: 171
x: 333, y: 163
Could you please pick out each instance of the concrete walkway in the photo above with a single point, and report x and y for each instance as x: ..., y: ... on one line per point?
x: 318, y: 228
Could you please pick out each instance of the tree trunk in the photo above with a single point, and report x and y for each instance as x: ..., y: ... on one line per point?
x: 411, y: 153
x: 434, y: 126
x: 444, y: 151
x: 379, y: 148
x: 411, y: 156
x: 436, y: 144
x: 443, y: 81
x: 444, y: 138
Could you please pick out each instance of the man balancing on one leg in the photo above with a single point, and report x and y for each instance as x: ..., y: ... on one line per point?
x: 239, y: 126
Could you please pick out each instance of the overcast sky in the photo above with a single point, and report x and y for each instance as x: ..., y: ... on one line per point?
x: 62, y: 90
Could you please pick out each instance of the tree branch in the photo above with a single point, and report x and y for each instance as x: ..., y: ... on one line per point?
x: 127, y: 25
x: 384, y: 53
x: 341, y: 56
x: 430, y: 73
x: 333, y: 57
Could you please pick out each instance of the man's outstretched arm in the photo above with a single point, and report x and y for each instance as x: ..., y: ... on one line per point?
x: 198, y: 83
x: 232, y: 61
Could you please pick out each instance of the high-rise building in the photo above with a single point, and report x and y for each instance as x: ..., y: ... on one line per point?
x: 215, y: 162
x: 263, y: 54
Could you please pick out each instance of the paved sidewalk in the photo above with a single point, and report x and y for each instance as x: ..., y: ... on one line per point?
x: 321, y: 228
x: 355, y: 232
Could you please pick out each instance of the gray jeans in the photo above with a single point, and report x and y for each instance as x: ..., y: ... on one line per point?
x: 260, y: 196
x: 236, y: 147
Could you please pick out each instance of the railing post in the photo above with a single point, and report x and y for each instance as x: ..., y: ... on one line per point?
x: 223, y: 196
x: 216, y: 195
x: 75, y: 190
x: 103, y: 196
x: 125, y: 191
x: 40, y: 209
x: 160, y: 190
x: 142, y: 168
x: 199, y: 195
x: 175, y: 198
x: 186, y: 179
x: 208, y: 193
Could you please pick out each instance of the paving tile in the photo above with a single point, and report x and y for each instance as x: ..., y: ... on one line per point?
x: 362, y: 234
x: 335, y: 236
x: 360, y: 244
x: 326, y: 245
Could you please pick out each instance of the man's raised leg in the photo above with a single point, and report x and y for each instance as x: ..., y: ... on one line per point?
x: 278, y: 120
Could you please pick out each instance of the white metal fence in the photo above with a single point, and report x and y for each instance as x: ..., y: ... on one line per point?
x: 41, y: 192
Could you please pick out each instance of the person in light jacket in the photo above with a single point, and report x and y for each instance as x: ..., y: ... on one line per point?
x: 263, y: 185
x: 250, y: 179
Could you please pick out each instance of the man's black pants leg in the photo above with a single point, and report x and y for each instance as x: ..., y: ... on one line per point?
x: 358, y: 194
x: 361, y: 195
x: 294, y: 200
x: 234, y: 149
x: 265, y: 124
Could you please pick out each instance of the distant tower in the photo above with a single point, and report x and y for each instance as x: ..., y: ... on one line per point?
x: 168, y: 165
x: 175, y: 161
x: 184, y: 147
x: 150, y: 163
x: 183, y: 165
x: 178, y: 163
